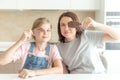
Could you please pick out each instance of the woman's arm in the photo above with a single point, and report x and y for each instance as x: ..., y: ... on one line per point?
x: 57, y: 69
x: 110, y: 34
x: 6, y: 57
x: 65, y: 70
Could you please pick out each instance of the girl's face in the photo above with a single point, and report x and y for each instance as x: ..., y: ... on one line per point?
x: 68, y: 32
x: 42, y: 33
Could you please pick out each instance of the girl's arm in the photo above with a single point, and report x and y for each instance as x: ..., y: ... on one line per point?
x: 6, y: 57
x: 110, y: 34
x: 57, y: 69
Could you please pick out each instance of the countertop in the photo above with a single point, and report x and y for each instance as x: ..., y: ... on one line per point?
x: 64, y: 77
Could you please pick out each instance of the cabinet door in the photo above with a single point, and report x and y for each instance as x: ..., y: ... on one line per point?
x: 44, y: 4
x: 85, y: 4
x: 112, y: 5
x: 8, y: 4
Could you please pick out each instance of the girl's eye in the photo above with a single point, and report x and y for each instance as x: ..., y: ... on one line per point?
x: 49, y: 30
x: 40, y: 30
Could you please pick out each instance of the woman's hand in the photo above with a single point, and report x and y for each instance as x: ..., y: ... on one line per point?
x: 26, y: 35
x: 25, y: 73
x: 88, y: 22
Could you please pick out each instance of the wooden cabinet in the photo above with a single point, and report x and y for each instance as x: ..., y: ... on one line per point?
x: 10, y: 68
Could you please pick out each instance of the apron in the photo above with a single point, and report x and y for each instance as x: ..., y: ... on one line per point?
x: 34, y: 62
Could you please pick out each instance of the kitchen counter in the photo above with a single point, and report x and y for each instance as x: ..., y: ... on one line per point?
x: 5, y: 45
x: 64, y: 77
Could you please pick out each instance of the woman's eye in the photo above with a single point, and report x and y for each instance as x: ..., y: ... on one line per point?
x: 62, y: 25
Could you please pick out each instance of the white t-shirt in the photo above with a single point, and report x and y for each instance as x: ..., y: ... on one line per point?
x: 81, y: 55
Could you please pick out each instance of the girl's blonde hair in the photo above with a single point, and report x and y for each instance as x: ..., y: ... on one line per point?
x: 39, y: 22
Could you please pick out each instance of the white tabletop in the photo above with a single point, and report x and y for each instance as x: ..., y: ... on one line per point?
x: 64, y: 77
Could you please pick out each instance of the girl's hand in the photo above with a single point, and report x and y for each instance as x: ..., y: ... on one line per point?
x: 25, y: 73
x: 88, y: 22
x: 26, y: 35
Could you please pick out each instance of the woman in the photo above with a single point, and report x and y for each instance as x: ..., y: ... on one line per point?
x: 78, y: 46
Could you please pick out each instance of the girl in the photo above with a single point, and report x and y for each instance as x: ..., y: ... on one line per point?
x: 39, y: 56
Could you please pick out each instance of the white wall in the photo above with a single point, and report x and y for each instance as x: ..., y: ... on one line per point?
x: 113, y: 60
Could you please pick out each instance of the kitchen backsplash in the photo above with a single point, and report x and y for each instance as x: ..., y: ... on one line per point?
x: 14, y: 22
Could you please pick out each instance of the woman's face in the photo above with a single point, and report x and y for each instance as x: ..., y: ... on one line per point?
x: 68, y: 32
x: 42, y: 33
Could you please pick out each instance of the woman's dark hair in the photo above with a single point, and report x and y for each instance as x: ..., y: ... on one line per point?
x: 74, y: 18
